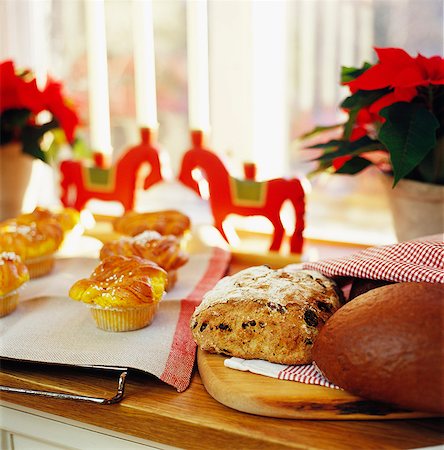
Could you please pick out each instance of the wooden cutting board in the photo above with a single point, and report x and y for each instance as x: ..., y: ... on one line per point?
x: 265, y: 396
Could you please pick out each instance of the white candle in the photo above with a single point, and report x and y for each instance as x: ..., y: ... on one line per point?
x: 366, y: 32
x: 197, y: 52
x: 99, y: 118
x: 144, y: 64
x: 269, y: 69
x: 307, y: 55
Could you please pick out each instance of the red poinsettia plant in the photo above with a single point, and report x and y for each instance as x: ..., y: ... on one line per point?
x: 21, y: 101
x: 395, y: 119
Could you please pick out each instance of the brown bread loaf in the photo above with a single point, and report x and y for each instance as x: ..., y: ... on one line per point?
x: 387, y: 345
x: 260, y: 313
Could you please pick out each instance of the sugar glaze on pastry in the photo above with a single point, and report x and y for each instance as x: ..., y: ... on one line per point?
x: 13, y: 273
x: 163, y: 250
x: 120, y: 281
x: 165, y: 222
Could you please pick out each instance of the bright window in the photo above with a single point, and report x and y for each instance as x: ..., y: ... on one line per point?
x: 273, y: 74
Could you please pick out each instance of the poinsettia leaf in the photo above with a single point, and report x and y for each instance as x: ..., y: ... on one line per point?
x: 337, y: 148
x: 361, y: 98
x: 431, y: 168
x: 31, y: 142
x: 409, y: 134
x: 320, y: 129
x: 355, y: 103
x: 437, y: 99
x: 354, y: 166
x: 325, y: 145
x: 350, y: 151
x: 16, y: 117
x: 31, y: 137
x: 11, y: 123
x: 351, y: 73
x: 348, y: 128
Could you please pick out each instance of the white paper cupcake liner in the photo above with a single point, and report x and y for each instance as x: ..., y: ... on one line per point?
x: 123, y: 319
x: 8, y: 303
x: 40, y: 266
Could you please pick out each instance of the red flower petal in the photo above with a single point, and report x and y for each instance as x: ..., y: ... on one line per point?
x: 16, y: 93
x: 410, y: 76
x: 364, y: 117
x: 30, y: 96
x: 357, y: 133
x: 376, y: 77
x: 55, y: 103
x: 395, y: 68
x: 432, y: 68
x: 393, y: 56
x: 398, y: 95
x: 337, y: 163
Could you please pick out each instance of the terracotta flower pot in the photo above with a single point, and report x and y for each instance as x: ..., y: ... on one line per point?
x: 15, y: 173
x: 418, y: 208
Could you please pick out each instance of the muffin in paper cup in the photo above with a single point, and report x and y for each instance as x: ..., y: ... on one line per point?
x: 8, y: 303
x: 123, y: 293
x: 40, y: 266
x: 35, y: 239
x: 13, y: 275
x: 123, y: 319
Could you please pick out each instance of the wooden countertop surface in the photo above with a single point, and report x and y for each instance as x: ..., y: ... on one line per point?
x: 154, y: 411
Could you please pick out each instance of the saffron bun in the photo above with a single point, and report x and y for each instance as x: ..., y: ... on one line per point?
x: 164, y: 222
x: 151, y: 245
x: 387, y: 345
x: 121, y: 281
x: 123, y: 292
x: 35, y: 241
x: 68, y: 218
x: 260, y: 313
x: 13, y: 275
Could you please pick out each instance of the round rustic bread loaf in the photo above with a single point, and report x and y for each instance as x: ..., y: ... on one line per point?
x: 387, y: 345
x: 261, y: 313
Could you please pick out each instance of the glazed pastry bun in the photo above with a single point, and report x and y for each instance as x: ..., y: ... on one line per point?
x: 68, y: 218
x: 124, y: 292
x: 164, y: 222
x: 163, y: 250
x: 13, y: 275
x: 35, y: 241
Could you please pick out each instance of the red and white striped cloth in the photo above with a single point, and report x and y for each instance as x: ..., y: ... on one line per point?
x: 304, y: 373
x: 180, y: 362
x: 416, y: 260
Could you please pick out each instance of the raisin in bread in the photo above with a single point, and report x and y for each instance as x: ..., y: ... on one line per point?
x: 260, y: 313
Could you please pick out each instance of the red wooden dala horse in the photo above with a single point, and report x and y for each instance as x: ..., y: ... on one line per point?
x: 80, y: 183
x: 228, y: 195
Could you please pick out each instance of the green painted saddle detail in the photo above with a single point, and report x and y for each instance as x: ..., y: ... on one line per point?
x: 248, y: 192
x: 98, y: 179
x: 98, y: 176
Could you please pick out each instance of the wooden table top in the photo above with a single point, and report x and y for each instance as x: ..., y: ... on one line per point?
x: 154, y: 411
x: 193, y: 419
